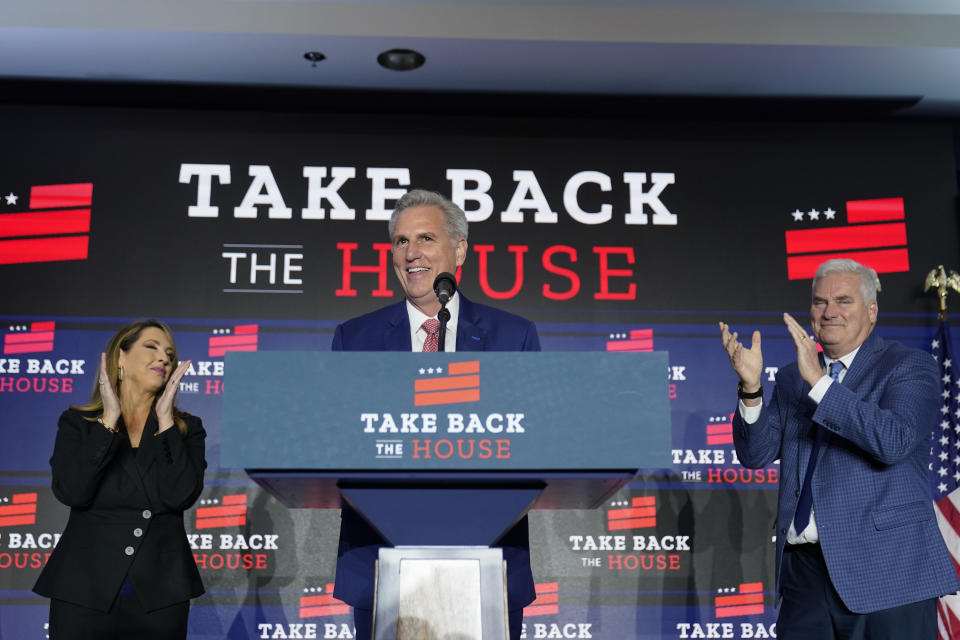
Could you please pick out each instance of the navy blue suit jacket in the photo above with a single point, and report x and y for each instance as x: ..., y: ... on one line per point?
x: 871, y: 492
x: 479, y: 328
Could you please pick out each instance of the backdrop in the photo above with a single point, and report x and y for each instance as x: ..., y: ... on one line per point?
x: 262, y: 231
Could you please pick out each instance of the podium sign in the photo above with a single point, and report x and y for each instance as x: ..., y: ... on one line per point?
x: 467, y: 411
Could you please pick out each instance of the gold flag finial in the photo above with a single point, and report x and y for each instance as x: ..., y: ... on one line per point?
x: 938, y: 278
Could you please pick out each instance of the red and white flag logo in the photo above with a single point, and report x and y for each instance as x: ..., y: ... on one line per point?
x: 19, y: 509
x: 242, y: 337
x: 56, y: 227
x: 720, y: 430
x: 231, y: 513
x: 460, y: 384
x: 638, y: 513
x: 747, y: 599
x: 636, y: 340
x: 875, y: 235
x: 318, y: 606
x: 36, y: 338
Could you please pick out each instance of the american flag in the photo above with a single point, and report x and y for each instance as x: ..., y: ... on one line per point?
x: 945, y: 472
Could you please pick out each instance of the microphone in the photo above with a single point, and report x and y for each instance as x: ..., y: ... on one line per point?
x: 445, y: 285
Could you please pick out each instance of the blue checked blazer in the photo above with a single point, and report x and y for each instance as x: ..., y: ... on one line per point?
x: 871, y: 491
x: 479, y: 328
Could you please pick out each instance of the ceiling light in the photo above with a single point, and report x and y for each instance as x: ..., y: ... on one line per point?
x: 401, y: 59
x: 314, y: 57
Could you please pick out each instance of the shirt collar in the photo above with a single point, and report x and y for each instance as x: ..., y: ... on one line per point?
x: 417, y: 317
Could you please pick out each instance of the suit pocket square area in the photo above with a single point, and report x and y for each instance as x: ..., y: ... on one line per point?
x: 898, y: 516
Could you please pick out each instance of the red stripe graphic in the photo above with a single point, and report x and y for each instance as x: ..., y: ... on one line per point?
x: 449, y: 389
x: 245, y: 328
x: 749, y: 600
x: 44, y: 249
x: 720, y: 433
x: 460, y: 368
x: 448, y: 382
x: 547, y: 601
x: 22, y: 511
x: 882, y: 261
x: 446, y: 397
x: 46, y: 223
x: 30, y: 336
x: 867, y: 236
x: 642, y: 514
x: 233, y: 513
x: 50, y: 196
x: 877, y: 210
x: 641, y: 340
x: 322, y: 605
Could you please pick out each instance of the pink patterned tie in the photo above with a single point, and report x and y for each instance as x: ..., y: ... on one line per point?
x: 432, y: 327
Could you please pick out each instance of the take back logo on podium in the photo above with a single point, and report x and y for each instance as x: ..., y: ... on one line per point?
x: 398, y: 410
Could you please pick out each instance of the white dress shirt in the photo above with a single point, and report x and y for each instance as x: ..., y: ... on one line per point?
x: 418, y: 336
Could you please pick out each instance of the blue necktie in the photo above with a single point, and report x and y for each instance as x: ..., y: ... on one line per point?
x: 805, y: 503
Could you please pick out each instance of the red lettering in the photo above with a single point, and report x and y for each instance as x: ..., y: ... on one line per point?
x: 461, y: 452
x: 262, y: 562
x: 346, y: 290
x: 606, y: 273
x: 6, y: 384
x: 518, y: 251
x: 770, y: 475
x: 560, y: 271
x: 421, y: 448
x: 503, y: 449
x: 485, y: 450
x: 66, y: 385
x: 644, y: 562
x: 214, y: 387
x: 23, y: 385
x: 448, y: 446
x: 672, y: 391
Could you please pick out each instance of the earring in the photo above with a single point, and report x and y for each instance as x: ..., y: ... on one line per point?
x: 120, y: 374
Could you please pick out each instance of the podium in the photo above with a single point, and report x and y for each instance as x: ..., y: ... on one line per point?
x: 447, y: 449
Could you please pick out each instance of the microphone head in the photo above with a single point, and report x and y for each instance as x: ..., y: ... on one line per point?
x: 445, y: 285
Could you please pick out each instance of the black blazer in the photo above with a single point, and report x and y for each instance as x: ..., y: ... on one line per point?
x: 126, y: 513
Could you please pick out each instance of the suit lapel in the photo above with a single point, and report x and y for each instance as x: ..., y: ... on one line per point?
x: 396, y: 337
x: 864, y: 361
x: 470, y: 335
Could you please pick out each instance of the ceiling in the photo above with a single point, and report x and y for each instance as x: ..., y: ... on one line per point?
x: 904, y: 52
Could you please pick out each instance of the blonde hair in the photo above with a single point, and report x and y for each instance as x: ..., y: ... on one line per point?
x: 122, y: 340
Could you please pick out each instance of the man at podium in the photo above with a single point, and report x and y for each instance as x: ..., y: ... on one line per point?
x: 429, y: 237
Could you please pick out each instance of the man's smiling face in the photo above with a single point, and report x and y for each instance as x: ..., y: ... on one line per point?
x: 423, y: 249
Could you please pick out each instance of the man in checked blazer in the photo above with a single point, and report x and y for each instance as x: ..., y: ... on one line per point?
x: 859, y: 554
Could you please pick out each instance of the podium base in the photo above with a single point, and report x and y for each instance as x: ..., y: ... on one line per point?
x: 437, y: 592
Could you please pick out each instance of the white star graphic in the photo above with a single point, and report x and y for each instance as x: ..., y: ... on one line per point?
x: 944, y: 409
x: 430, y: 370
x: 11, y: 199
x: 956, y: 476
x: 935, y: 344
x: 439, y: 369
x: 942, y: 487
x: 422, y: 371
x: 944, y: 425
x: 946, y: 393
x: 947, y: 363
x: 829, y: 213
x: 814, y: 214
x: 797, y: 215
x: 946, y: 378
x: 944, y: 441
x: 942, y: 472
x: 943, y: 456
